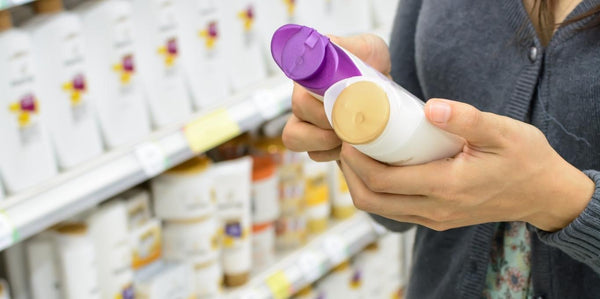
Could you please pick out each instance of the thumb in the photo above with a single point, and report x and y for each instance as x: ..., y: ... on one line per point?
x: 369, y: 48
x: 477, y: 127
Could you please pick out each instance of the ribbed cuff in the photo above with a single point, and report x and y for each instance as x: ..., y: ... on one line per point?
x: 390, y: 224
x: 581, y: 238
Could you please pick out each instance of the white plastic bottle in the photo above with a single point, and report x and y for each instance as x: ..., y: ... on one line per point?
x: 26, y: 156
x: 44, y: 280
x: 364, y: 107
x: 113, y: 70
x: 63, y: 83
x: 204, y: 53
x: 158, y: 51
x: 245, y: 60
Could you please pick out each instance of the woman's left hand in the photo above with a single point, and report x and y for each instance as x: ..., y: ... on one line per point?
x: 507, y: 171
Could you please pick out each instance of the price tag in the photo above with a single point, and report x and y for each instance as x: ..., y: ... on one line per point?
x: 310, y: 265
x: 151, y: 157
x: 267, y: 104
x: 8, y: 234
x: 279, y: 285
x: 335, y: 248
x: 210, y: 130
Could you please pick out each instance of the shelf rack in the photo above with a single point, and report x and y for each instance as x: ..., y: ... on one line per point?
x: 300, y: 268
x: 32, y: 211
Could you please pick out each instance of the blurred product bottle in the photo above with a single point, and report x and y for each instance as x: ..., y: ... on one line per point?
x: 342, y: 206
x: 316, y: 195
x: 44, y: 279
x: 4, y: 289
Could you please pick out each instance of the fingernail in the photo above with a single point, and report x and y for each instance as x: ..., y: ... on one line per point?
x: 439, y: 112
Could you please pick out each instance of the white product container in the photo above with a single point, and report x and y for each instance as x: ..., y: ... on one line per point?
x: 26, y: 154
x: 185, y: 191
x: 137, y: 201
x: 4, y: 289
x: 342, y: 206
x: 165, y: 281
x: 77, y: 257
x: 316, y: 194
x: 265, y: 190
x: 204, y: 53
x: 194, y: 240
x: 63, y: 83
x: 263, y: 245
x: 246, y: 65
x: 108, y: 229
x: 236, y: 256
x: 113, y: 70
x: 209, y: 280
x: 16, y: 271
x: 146, y: 242
x: 44, y: 279
x: 158, y: 49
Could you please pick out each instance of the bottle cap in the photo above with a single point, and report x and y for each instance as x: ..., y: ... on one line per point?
x: 310, y: 58
x: 47, y: 6
x: 361, y: 112
x: 5, y: 20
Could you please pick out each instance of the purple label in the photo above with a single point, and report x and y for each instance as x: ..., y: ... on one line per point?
x: 233, y: 229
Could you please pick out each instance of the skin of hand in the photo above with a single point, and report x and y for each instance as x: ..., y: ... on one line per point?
x: 507, y: 170
x: 308, y: 129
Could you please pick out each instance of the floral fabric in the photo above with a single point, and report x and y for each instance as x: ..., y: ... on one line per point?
x: 509, y: 271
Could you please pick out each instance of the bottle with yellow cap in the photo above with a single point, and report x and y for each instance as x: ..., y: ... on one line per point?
x: 364, y: 107
x: 26, y: 156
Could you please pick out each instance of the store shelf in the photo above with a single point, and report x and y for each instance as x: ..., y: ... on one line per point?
x: 76, y: 190
x: 302, y: 267
x: 6, y: 4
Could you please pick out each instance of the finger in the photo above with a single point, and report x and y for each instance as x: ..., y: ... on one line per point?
x: 369, y: 48
x: 481, y: 129
x: 383, y: 203
x: 301, y: 136
x: 424, y: 179
x: 325, y: 156
x: 308, y: 108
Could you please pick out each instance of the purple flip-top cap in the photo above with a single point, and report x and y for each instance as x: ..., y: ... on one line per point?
x: 310, y: 58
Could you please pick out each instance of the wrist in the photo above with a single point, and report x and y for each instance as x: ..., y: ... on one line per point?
x: 566, y: 193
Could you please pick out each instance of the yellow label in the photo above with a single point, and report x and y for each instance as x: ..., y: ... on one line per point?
x: 279, y: 285
x: 316, y: 191
x: 210, y: 130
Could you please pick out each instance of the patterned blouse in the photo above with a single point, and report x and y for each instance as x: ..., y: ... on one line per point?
x: 509, y: 270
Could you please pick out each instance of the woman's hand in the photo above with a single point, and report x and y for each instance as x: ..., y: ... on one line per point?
x: 507, y: 171
x: 308, y: 129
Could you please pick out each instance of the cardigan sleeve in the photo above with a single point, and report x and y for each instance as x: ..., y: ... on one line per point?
x: 404, y: 71
x: 581, y: 238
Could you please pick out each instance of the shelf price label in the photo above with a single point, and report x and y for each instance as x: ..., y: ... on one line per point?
x: 151, y: 157
x: 210, y: 130
x: 8, y: 234
x: 279, y: 285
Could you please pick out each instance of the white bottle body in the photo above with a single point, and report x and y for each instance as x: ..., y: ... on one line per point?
x: 120, y: 105
x: 26, y: 155
x: 408, y: 138
x: 158, y: 51
x: 63, y: 85
x: 204, y: 56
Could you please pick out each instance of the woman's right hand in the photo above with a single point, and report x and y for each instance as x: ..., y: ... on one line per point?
x: 308, y: 129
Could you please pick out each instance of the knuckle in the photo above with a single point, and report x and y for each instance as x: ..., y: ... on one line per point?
x: 471, y: 117
x: 361, y: 201
x: 319, y: 156
x: 375, y: 182
x: 289, y: 139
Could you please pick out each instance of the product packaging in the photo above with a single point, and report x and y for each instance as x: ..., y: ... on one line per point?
x: 137, y: 201
x: 185, y: 191
x: 364, y: 107
x: 342, y: 206
x: 165, y: 281
x: 204, y: 56
x: 146, y: 242
x: 158, y: 50
x: 245, y: 61
x: 341, y: 282
x: 109, y: 231
x: 114, y: 71
x: 44, y: 279
x: 26, y: 154
x: 265, y: 190
x: 316, y: 195
x: 232, y: 188
x: 209, y: 280
x: 16, y: 271
x: 77, y: 256
x: 4, y: 289
x: 62, y: 83
x: 192, y: 240
x: 263, y: 245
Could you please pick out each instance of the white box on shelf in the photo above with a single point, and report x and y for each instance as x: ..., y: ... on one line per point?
x: 44, y: 279
x: 165, y: 281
